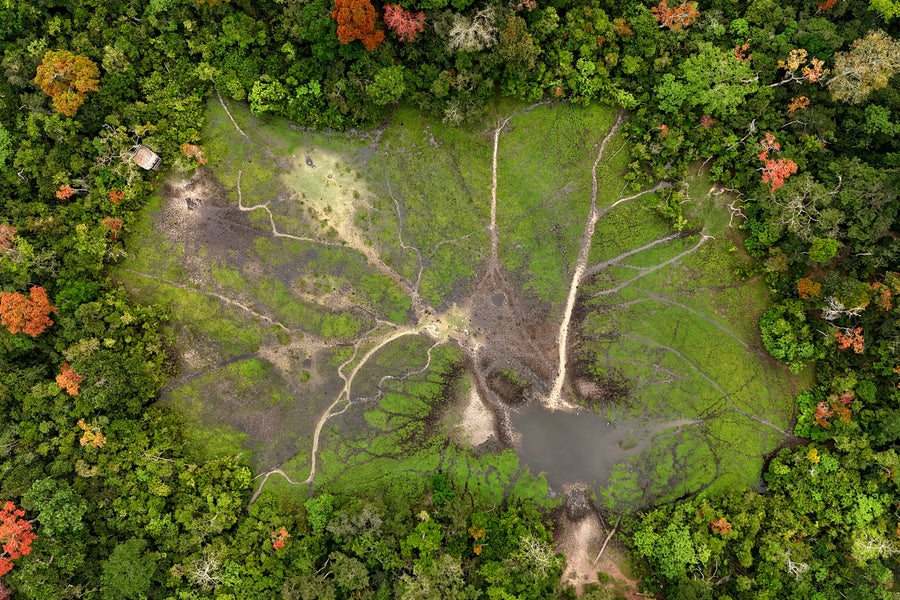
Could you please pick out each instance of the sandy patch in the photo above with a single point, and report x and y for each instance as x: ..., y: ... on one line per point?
x: 477, y: 424
x: 579, y: 541
x: 334, y: 193
x: 292, y: 359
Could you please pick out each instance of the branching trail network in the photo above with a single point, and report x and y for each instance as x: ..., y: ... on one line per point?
x: 501, y: 343
x: 554, y: 399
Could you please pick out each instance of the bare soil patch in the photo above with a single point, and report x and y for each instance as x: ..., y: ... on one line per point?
x: 579, y: 540
x: 477, y: 423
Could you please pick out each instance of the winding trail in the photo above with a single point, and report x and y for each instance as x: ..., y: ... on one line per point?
x: 650, y: 296
x: 596, y: 268
x: 644, y: 271
x: 400, y: 235
x: 228, y: 112
x: 554, y: 399
x: 712, y: 382
x: 275, y: 232
x: 344, y: 396
x: 220, y: 297
x: 494, y: 265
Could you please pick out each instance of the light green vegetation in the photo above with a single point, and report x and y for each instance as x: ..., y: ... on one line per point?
x: 684, y: 338
x: 544, y: 190
x: 390, y: 443
x: 438, y: 176
x: 271, y: 323
x: 154, y: 271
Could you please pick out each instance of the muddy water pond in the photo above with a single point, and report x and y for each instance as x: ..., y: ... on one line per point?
x: 579, y: 446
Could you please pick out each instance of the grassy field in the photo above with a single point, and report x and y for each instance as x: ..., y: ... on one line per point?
x: 293, y: 255
x: 544, y: 188
x: 684, y: 338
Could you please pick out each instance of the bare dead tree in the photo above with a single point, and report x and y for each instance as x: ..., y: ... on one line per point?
x: 473, y: 34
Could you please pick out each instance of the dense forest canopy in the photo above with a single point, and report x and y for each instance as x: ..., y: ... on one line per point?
x: 793, y: 107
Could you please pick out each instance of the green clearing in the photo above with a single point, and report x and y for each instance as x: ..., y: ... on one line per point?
x: 684, y: 338
x: 544, y: 188
x: 269, y: 327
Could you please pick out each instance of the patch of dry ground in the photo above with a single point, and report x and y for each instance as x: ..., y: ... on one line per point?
x: 477, y: 423
x: 579, y: 540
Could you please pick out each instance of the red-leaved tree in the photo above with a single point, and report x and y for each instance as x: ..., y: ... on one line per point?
x: 774, y: 172
x: 26, y: 315
x: 676, y: 18
x: 16, y: 536
x: 356, y: 21
x: 405, y: 23
x: 279, y: 538
x: 65, y: 192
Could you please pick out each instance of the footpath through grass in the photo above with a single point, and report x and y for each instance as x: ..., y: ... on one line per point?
x: 293, y: 251
x: 682, y: 338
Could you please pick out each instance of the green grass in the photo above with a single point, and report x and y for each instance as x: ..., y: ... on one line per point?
x: 440, y: 179
x: 683, y: 336
x: 544, y: 191
x: 686, y: 340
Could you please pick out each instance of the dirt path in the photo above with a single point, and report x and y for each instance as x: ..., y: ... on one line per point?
x: 344, y: 394
x: 596, y: 268
x: 579, y: 541
x: 554, y: 399
x: 403, y: 244
x: 439, y: 328
x: 644, y: 271
x: 275, y: 232
x: 219, y: 297
x: 494, y: 265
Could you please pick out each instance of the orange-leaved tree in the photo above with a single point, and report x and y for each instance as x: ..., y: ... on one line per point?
x: 279, y: 538
x: 114, y: 225
x: 116, y: 196
x: 851, y: 338
x: 194, y: 151
x: 16, y: 536
x: 807, y: 288
x: 26, y: 315
x: 720, y: 526
x: 675, y: 18
x: 91, y: 436
x: 356, y: 21
x: 67, y: 78
x: 69, y: 380
x: 774, y: 172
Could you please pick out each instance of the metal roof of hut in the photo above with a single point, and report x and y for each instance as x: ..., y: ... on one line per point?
x: 146, y: 158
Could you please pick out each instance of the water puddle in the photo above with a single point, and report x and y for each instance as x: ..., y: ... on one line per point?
x: 579, y: 446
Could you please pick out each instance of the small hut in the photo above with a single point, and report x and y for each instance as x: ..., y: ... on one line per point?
x: 146, y: 158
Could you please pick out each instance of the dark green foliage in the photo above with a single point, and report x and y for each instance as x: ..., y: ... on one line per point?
x: 787, y: 336
x: 141, y: 516
x: 128, y: 571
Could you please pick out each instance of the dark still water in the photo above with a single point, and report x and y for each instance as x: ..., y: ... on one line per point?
x: 584, y: 446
